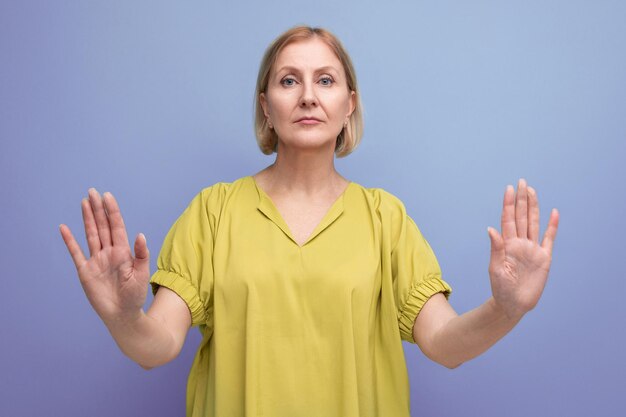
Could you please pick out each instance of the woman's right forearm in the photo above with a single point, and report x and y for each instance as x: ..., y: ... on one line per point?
x: 144, y: 339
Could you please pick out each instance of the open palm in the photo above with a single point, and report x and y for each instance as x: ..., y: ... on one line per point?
x: 519, y: 264
x: 115, y: 282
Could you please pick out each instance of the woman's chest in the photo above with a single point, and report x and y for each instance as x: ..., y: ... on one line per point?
x: 254, y: 257
x: 302, y: 220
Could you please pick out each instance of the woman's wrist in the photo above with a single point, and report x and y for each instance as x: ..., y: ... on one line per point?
x: 127, y: 324
x: 504, y: 313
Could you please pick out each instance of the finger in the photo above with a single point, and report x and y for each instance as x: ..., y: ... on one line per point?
x: 91, y: 230
x: 533, y: 215
x: 102, y: 222
x: 521, y: 210
x: 550, y: 234
x: 72, y: 246
x: 118, y: 229
x: 142, y: 255
x: 508, y: 214
x: 497, y: 248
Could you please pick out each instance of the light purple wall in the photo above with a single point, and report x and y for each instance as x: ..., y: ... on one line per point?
x: 151, y: 100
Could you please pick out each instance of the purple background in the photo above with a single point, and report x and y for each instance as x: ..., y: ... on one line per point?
x: 153, y: 101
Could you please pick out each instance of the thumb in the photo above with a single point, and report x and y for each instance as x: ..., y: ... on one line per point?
x: 142, y: 254
x: 497, y: 247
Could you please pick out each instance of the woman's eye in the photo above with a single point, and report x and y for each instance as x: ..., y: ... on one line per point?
x: 288, y: 82
x: 326, y: 81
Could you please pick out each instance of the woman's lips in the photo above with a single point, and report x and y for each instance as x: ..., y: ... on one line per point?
x: 308, y: 121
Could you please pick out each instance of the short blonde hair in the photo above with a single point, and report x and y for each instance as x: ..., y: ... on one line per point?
x: 350, y: 135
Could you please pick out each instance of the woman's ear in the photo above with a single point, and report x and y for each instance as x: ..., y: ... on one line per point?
x: 352, y: 103
x: 263, y: 102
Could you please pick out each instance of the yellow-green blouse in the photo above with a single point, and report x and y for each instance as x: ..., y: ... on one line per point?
x: 288, y: 330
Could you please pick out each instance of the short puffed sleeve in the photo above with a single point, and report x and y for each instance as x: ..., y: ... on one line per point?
x: 185, y: 262
x: 415, y: 271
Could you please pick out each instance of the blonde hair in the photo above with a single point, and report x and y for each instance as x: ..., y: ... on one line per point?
x: 350, y: 135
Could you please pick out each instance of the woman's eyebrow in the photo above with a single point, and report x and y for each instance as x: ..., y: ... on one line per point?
x: 328, y: 68
x: 288, y: 68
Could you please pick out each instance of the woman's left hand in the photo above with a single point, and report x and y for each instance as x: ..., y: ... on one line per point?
x: 519, y: 265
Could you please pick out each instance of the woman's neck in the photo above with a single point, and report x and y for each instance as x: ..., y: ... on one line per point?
x: 305, y: 173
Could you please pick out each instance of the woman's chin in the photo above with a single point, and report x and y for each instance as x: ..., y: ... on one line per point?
x: 308, y: 143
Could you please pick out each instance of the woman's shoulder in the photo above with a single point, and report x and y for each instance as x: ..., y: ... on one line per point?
x: 381, y: 199
x: 219, y: 193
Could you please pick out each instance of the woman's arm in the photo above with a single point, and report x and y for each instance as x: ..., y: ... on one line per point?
x: 116, y: 285
x: 155, y: 337
x: 450, y: 339
x: 518, y: 271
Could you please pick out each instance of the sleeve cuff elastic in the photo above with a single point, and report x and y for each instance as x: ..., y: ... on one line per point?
x: 185, y: 290
x: 418, y: 295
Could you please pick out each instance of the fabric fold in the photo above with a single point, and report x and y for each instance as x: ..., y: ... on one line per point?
x: 418, y: 295
x: 185, y: 290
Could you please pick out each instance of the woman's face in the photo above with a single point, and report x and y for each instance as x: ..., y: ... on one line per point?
x: 307, y: 100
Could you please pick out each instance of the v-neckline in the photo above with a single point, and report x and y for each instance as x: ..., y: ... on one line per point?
x: 268, y: 208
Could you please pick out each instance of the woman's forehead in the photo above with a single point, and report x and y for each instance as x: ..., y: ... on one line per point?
x: 310, y: 54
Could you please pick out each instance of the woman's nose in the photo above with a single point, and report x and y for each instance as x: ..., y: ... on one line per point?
x: 308, y: 96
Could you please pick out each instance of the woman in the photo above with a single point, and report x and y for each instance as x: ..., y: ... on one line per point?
x: 302, y: 282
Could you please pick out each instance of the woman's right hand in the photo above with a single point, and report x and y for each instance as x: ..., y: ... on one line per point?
x: 115, y: 282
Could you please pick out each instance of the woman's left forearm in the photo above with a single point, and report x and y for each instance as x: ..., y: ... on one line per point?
x: 518, y: 271
x: 466, y: 336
